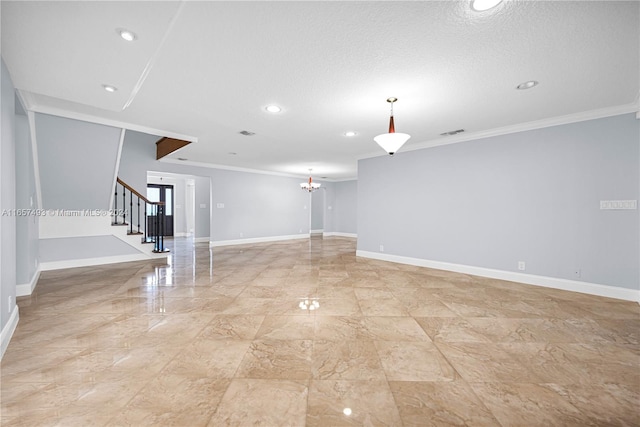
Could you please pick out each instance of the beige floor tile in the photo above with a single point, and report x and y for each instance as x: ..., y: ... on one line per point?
x: 173, y: 400
x: 440, y: 403
x: 262, y: 403
x: 394, y: 329
x: 209, y: 358
x: 413, y: 361
x: 519, y: 404
x: 277, y: 359
x: 233, y: 327
x: 300, y: 327
x: 348, y: 403
x: 485, y: 362
x: 450, y: 329
x: 348, y: 360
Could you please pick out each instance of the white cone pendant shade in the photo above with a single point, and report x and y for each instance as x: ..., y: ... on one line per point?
x: 392, y: 141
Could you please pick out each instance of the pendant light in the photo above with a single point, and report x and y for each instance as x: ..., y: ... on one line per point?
x: 392, y: 141
x: 309, y: 186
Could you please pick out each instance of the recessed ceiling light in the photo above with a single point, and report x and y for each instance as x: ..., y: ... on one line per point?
x: 109, y: 88
x: 182, y: 159
x: 482, y: 5
x: 527, y: 85
x: 231, y: 153
x: 273, y: 109
x: 350, y: 133
x: 127, y: 35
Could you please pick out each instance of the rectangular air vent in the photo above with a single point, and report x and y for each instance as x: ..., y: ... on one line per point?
x: 453, y: 132
x: 246, y: 133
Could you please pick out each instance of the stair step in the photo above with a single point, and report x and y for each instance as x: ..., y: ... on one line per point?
x: 132, y: 233
x: 118, y: 224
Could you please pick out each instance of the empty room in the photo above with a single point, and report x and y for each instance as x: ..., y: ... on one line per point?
x: 320, y: 213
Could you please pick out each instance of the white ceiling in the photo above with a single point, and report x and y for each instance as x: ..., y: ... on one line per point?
x: 206, y: 70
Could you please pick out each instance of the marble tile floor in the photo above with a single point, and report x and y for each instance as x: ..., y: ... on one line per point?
x: 304, y: 333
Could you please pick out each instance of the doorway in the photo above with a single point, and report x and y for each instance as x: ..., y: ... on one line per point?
x: 161, y: 193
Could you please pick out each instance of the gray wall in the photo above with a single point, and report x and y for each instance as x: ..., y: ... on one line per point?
x: 8, y: 195
x: 255, y: 205
x: 345, y: 207
x: 203, y: 198
x: 530, y: 196
x: 73, y: 248
x: 26, y: 198
x: 77, y: 162
x: 317, y: 200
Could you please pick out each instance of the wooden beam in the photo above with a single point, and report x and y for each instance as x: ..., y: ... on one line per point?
x: 166, y: 146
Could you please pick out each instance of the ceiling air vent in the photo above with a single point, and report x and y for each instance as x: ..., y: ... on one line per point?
x: 246, y: 133
x: 452, y: 132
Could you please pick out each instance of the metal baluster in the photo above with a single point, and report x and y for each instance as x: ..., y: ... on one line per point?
x: 138, y: 215
x: 161, y: 228
x: 146, y: 222
x: 115, y: 206
x: 130, y: 212
x: 155, y: 228
x: 124, y: 203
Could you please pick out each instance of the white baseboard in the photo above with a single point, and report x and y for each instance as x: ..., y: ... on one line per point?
x: 257, y: 240
x: 73, y: 263
x: 319, y: 231
x: 26, y: 289
x: 200, y: 239
x: 340, y: 234
x: 8, y: 330
x: 529, y: 279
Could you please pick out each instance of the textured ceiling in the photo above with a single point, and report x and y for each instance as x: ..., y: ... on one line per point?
x: 207, y: 70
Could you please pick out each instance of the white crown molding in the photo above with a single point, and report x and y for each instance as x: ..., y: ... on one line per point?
x: 528, y: 279
x: 225, y: 167
x: 521, y: 127
x: 344, y: 179
x: 247, y: 170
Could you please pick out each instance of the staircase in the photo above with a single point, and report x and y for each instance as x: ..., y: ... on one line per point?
x: 142, y: 219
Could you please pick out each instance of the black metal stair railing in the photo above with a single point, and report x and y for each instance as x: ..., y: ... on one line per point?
x: 152, y: 228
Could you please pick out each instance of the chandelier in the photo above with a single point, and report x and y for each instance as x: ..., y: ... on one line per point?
x: 309, y: 186
x: 392, y: 141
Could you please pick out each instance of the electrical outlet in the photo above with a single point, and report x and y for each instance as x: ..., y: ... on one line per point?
x: 10, y: 303
x: 521, y: 265
x: 381, y: 248
x: 577, y: 273
x: 241, y: 234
